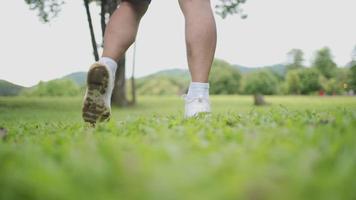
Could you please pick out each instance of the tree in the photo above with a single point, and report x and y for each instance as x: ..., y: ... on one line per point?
x: 48, y: 9
x: 262, y: 82
x: 295, y: 59
x: 303, y: 81
x: 226, y: 79
x: 293, y: 82
x: 337, y: 84
x: 352, y: 78
x: 324, y: 63
x: 259, y: 83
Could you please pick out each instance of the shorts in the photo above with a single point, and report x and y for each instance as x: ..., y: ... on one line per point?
x: 148, y: 1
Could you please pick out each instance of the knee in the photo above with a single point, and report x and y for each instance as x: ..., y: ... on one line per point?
x: 192, y: 6
x: 139, y: 6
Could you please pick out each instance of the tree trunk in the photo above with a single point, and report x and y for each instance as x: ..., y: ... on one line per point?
x: 259, y: 100
x: 133, y: 86
x: 103, y: 19
x: 92, y: 35
x: 119, y: 94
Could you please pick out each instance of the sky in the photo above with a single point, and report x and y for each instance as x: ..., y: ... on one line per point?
x: 31, y: 51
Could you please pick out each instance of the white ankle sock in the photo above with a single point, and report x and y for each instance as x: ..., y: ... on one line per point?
x: 112, y: 64
x: 197, y: 89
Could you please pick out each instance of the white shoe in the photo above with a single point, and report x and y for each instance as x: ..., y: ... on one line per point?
x: 97, y: 99
x: 194, y: 106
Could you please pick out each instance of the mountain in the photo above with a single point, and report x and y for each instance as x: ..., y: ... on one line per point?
x: 172, y: 81
x: 280, y: 69
x: 78, y: 77
x: 169, y: 73
x: 9, y: 89
x: 350, y: 64
x: 169, y: 82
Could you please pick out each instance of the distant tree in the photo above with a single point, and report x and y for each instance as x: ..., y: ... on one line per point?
x: 303, y: 81
x: 324, y: 63
x: 259, y: 83
x: 337, y: 84
x: 352, y: 78
x: 226, y: 79
x: 293, y: 82
x: 295, y: 59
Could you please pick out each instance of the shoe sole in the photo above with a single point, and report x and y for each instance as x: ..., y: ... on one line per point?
x: 94, y: 108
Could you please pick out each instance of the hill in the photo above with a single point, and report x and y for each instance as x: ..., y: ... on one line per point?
x: 78, y: 77
x: 9, y: 89
x: 166, y: 82
x: 279, y: 69
x: 170, y: 73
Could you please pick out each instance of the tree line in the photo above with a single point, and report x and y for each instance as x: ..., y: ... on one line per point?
x: 323, y: 77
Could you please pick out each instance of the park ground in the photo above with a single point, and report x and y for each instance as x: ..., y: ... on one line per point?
x: 294, y: 148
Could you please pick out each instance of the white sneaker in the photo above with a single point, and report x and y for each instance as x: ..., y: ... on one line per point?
x: 194, y: 106
x: 97, y: 99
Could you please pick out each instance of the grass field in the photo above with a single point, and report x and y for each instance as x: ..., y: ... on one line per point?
x: 295, y: 148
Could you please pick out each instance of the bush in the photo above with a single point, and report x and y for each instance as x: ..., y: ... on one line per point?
x: 224, y: 79
x: 260, y: 82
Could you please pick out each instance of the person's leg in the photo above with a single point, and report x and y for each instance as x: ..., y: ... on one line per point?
x: 122, y: 28
x: 200, y: 30
x: 119, y: 35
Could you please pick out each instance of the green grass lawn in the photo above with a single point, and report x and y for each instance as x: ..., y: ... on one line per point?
x: 295, y: 148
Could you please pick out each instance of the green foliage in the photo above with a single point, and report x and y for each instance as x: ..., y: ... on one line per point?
x: 297, y: 148
x: 352, y: 78
x: 296, y: 58
x: 260, y: 82
x: 293, y: 82
x: 331, y: 86
x: 324, y: 63
x: 337, y: 85
x: 303, y: 81
x: 59, y: 87
x: 47, y: 9
x: 224, y: 78
x: 230, y: 7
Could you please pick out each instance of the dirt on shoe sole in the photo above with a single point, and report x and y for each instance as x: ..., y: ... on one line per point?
x: 94, y: 108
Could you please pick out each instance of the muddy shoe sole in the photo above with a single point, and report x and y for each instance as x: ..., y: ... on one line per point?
x: 94, y: 108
